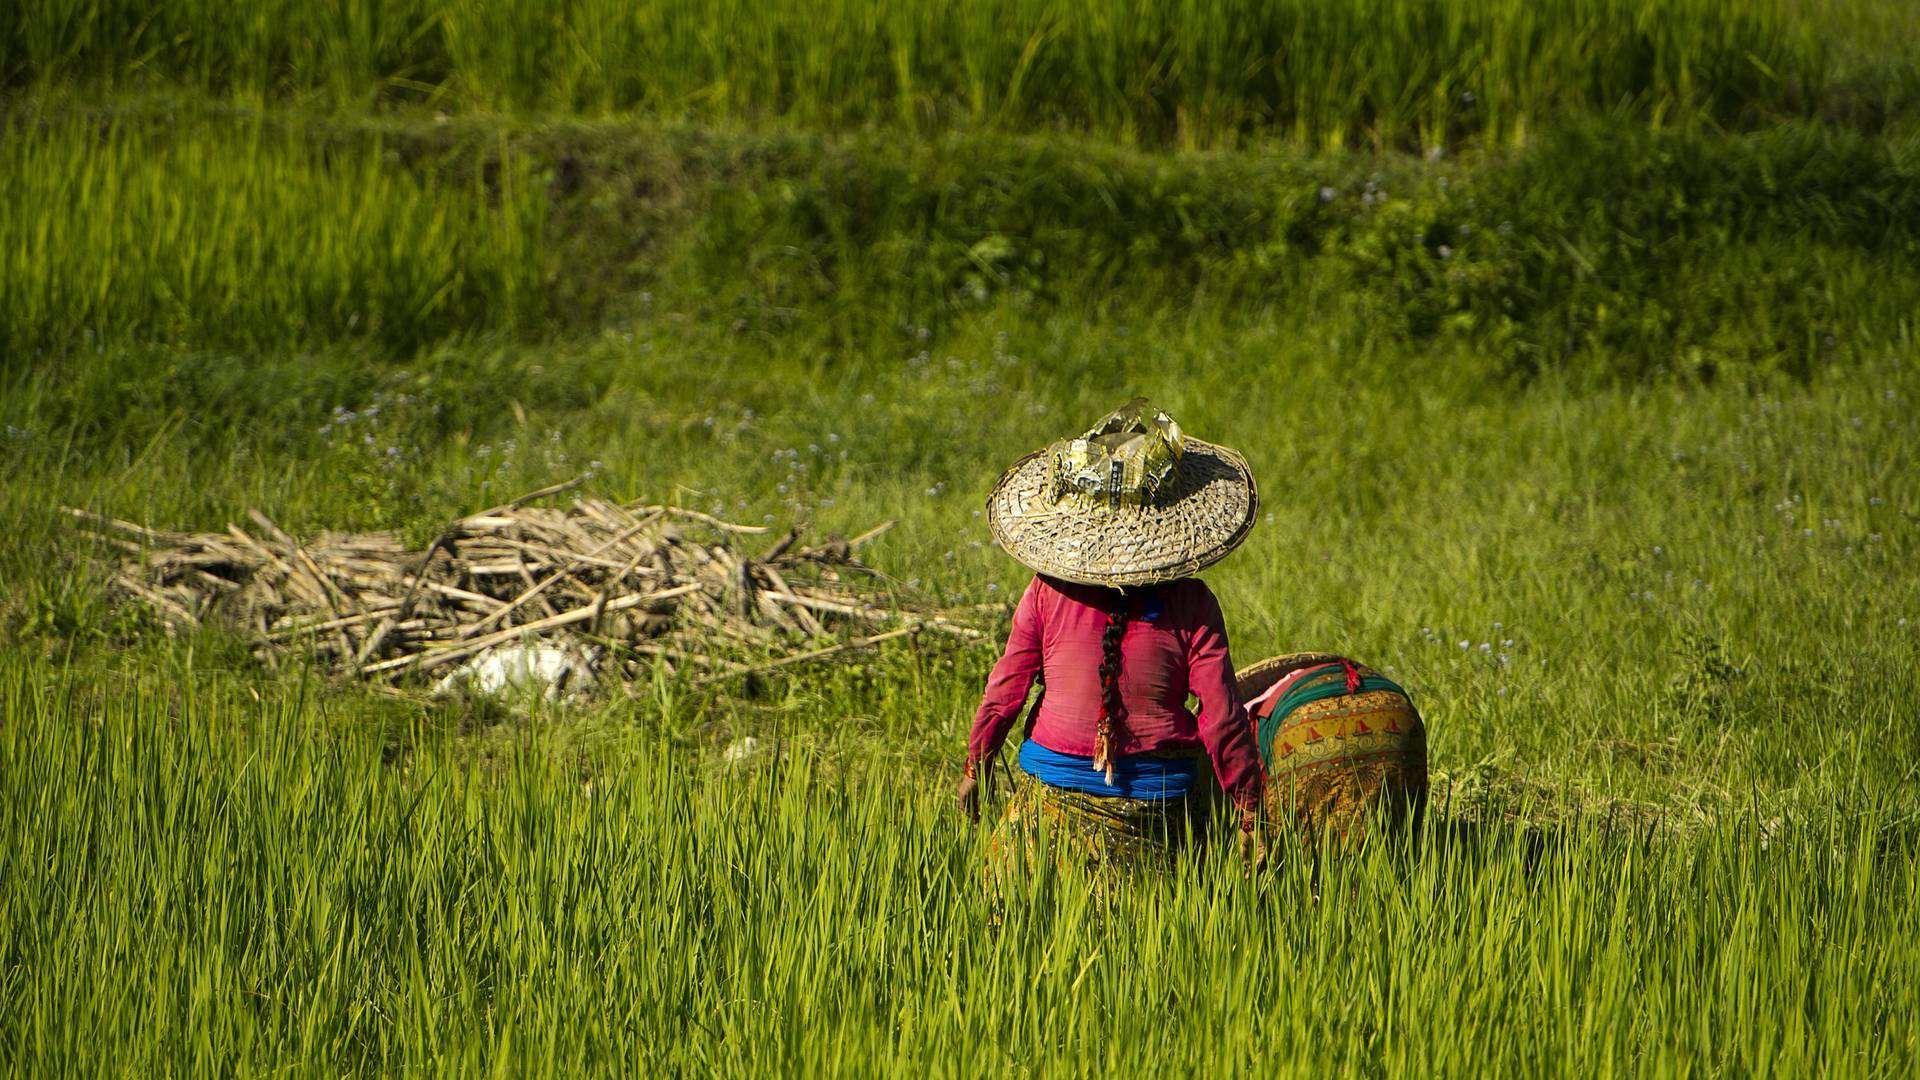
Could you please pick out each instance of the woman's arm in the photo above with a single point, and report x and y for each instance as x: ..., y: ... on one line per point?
x: 1011, y: 679
x: 1224, y: 728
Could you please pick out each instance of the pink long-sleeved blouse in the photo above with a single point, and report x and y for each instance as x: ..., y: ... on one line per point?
x: 1175, y: 645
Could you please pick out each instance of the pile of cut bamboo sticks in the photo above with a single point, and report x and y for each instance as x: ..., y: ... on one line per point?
x: 645, y: 585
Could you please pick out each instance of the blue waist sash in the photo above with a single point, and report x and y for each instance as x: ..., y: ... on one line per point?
x: 1140, y: 776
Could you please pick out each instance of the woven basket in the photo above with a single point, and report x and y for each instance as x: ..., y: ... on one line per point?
x: 1343, y: 764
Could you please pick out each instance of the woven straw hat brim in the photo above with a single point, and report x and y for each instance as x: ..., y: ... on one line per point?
x: 1206, y: 513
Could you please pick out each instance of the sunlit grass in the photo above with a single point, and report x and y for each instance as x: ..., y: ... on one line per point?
x: 197, y: 881
x: 248, y: 237
x: 1406, y: 73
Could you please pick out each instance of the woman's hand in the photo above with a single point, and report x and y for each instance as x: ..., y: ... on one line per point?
x: 1253, y: 840
x: 970, y: 794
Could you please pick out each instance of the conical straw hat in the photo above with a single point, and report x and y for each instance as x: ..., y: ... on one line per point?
x: 1186, y: 514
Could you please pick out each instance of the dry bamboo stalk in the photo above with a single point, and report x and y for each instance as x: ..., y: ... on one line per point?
x: 121, y: 542
x: 216, y: 581
x: 735, y: 579
x: 638, y: 541
x: 600, y: 600
x: 780, y: 546
x: 931, y: 622
x: 541, y: 493
x: 871, y: 533
x: 292, y: 580
x: 481, y: 600
x: 380, y: 633
x: 296, y: 629
x: 403, y: 626
x: 566, y: 527
x: 328, y: 590
x: 781, y: 590
x: 769, y: 608
x: 560, y: 555
x: 387, y: 543
x: 667, y: 651
x: 496, y: 569
x: 695, y: 515
x: 666, y: 535
x: 526, y: 577
x: 155, y: 597
x: 124, y: 526
x: 597, y: 510
x: 388, y: 570
x: 298, y: 554
x: 699, y: 555
x: 815, y: 654
x: 423, y: 661
x: 218, y: 546
x: 758, y: 637
x: 834, y: 606
x: 169, y: 559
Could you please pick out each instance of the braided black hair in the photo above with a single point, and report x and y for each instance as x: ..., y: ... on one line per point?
x: 1110, y: 701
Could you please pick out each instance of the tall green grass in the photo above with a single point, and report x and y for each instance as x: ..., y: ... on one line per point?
x: 1406, y: 73
x: 244, y: 236
x: 1668, y: 566
x: 1603, y: 248
x: 194, y: 881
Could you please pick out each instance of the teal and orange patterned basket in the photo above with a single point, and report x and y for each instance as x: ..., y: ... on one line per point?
x: 1344, y: 747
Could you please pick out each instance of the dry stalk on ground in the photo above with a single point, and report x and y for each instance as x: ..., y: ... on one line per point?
x: 651, y: 585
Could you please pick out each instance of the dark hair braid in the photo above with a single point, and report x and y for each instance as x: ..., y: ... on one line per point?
x: 1112, y: 708
x: 1110, y: 641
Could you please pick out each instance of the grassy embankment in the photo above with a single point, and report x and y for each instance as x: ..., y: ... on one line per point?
x: 1596, y: 431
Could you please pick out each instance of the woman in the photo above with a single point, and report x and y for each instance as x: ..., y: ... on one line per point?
x: 1114, y: 523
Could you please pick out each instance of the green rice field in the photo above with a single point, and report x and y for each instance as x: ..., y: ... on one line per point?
x: 1572, y: 344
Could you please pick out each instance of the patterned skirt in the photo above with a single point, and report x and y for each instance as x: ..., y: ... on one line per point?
x: 1093, y: 831
x: 1345, y: 749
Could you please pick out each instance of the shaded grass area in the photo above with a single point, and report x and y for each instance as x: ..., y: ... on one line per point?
x: 1603, y: 250
x: 1407, y: 74
x: 199, y: 880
